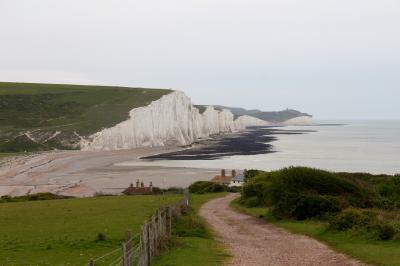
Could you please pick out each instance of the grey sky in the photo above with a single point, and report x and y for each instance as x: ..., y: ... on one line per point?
x: 332, y: 58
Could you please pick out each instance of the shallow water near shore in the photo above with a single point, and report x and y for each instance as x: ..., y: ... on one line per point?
x: 354, y: 146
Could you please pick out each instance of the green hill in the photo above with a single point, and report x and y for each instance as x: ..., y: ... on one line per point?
x: 36, y: 117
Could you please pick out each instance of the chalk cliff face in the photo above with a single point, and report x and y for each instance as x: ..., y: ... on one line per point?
x: 171, y: 120
x: 299, y: 121
x: 245, y: 121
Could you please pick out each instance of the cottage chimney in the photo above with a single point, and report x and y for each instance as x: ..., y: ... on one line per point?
x: 223, y: 173
x: 233, y: 173
x: 137, y: 183
x: 142, y: 184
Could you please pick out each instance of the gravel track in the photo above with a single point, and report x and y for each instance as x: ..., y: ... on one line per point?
x: 254, y: 242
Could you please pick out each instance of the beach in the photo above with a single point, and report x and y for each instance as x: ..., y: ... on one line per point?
x: 84, y: 173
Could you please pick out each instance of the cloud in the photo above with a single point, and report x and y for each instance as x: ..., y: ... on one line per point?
x: 265, y: 54
x: 44, y: 76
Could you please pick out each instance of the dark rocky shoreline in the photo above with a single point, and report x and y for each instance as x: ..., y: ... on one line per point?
x: 254, y: 141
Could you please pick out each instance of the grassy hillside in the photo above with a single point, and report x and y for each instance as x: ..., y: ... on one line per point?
x: 70, y: 231
x: 37, y: 111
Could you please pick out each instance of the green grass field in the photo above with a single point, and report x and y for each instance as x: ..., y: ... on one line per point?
x: 193, y: 242
x: 360, y: 247
x: 65, y: 232
x: 46, y: 108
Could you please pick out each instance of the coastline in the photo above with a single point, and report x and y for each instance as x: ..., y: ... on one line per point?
x: 253, y: 141
x: 339, y: 146
x: 84, y: 173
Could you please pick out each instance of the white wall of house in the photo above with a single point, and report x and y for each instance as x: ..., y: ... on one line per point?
x: 234, y: 183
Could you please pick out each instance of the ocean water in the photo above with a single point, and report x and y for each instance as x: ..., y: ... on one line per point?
x: 354, y: 146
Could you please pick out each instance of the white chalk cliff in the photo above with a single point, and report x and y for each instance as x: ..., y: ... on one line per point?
x: 299, y: 121
x: 170, y: 120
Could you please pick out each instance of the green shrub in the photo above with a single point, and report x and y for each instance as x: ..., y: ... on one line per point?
x: 363, y: 221
x: 202, y: 187
x: 302, y: 192
x: 385, y: 231
x: 20, y: 144
x: 390, y: 192
x: 258, y: 190
x: 249, y: 174
x: 251, y: 202
x: 33, y: 197
x: 309, y: 206
x: 100, y: 237
x: 304, y: 206
x: 349, y: 219
x: 315, y: 181
x: 190, y: 226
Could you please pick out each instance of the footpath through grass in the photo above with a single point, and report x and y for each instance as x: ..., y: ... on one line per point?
x: 363, y: 248
x: 193, y: 242
x: 71, y: 231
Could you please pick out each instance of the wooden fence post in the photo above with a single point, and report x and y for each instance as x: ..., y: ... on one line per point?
x: 164, y: 221
x: 152, y: 237
x: 124, y: 255
x: 160, y: 227
x: 141, y: 249
x: 91, y: 263
x: 156, y: 232
x: 144, y: 246
x: 128, y: 247
x: 148, y: 243
x: 168, y: 220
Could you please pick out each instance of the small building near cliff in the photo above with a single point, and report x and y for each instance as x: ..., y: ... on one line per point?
x: 140, y: 189
x: 222, y: 179
x: 237, y: 181
x: 233, y: 180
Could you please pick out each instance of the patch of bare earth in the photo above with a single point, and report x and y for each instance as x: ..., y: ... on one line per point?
x: 254, y: 242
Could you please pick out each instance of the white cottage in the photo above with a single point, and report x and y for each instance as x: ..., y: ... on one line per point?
x: 237, y: 181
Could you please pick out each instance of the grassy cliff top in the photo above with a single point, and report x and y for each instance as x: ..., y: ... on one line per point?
x: 32, y: 107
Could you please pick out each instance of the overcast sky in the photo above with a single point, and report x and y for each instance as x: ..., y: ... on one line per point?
x: 331, y: 58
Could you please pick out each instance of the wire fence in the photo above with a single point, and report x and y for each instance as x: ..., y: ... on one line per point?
x: 140, y: 250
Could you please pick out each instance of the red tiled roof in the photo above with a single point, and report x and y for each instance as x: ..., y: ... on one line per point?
x: 221, y: 179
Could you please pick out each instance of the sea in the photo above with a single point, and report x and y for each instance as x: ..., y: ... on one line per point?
x: 352, y: 146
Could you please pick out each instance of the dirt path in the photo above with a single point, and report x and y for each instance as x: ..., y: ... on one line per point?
x: 253, y: 242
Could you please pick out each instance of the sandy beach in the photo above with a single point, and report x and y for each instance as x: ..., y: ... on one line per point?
x: 84, y: 173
